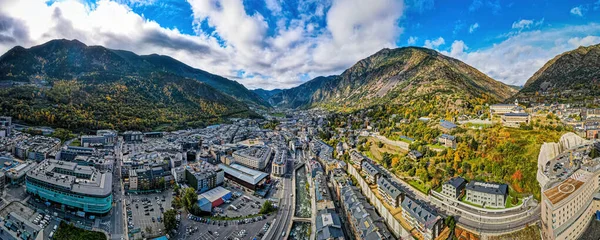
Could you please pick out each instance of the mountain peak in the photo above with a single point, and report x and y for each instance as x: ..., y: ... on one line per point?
x: 396, y: 76
x: 576, y: 68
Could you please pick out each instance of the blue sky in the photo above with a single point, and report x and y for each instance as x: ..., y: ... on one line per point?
x: 283, y: 43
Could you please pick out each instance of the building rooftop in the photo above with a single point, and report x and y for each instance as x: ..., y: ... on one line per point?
x: 243, y: 173
x: 370, y: 168
x: 491, y: 188
x: 447, y: 136
x: 389, y: 187
x: 511, y: 114
x: 456, y: 182
x: 214, y: 194
x: 422, y: 212
x: 329, y: 225
x: 447, y: 125
x: 71, y: 177
x: 567, y: 187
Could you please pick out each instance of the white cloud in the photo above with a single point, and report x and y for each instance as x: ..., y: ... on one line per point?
x: 412, y: 40
x: 354, y: 30
x: 515, y: 59
x: 522, y: 24
x: 578, y: 11
x: 473, y: 27
x: 434, y: 43
x: 585, y: 41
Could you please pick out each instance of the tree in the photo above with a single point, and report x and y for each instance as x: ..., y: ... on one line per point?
x: 63, y: 134
x: 170, y: 219
x: 189, y: 198
x: 161, y: 183
x: 267, y: 207
x: 387, y: 159
x: 379, y: 144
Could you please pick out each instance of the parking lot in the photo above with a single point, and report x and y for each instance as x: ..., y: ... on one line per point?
x: 223, y: 230
x: 244, y: 205
x: 144, y: 213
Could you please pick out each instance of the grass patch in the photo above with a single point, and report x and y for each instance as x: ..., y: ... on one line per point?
x: 75, y: 143
x: 509, y: 202
x: 436, y: 146
x: 69, y: 232
x: 376, y: 153
x: 419, y: 186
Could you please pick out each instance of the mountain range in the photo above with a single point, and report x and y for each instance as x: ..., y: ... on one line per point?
x: 65, y: 83
x: 576, y: 70
x: 395, y: 76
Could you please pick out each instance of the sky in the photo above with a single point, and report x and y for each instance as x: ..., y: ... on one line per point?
x: 283, y: 43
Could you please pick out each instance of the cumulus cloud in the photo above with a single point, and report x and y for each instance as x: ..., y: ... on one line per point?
x: 515, y: 59
x: 412, y: 40
x: 473, y: 27
x: 578, y: 11
x: 435, y: 43
x: 584, y: 41
x: 326, y: 38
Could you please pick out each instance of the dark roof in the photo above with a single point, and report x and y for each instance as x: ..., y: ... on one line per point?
x: 448, y: 125
x: 516, y: 114
x: 457, y: 182
x: 491, y: 188
x: 448, y: 136
x: 370, y: 168
x: 389, y: 187
x: 416, y: 153
x: 422, y: 212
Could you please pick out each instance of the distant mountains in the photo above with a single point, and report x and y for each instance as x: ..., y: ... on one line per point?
x: 577, y: 70
x: 395, y: 76
x: 266, y: 94
x: 65, y: 83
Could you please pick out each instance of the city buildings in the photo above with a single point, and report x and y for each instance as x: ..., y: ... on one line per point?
x: 255, y: 157
x: 133, y: 137
x: 278, y: 167
x: 101, y: 139
x: 5, y: 126
x: 15, y: 171
x: 390, y: 191
x: 487, y: 194
x: 447, y: 140
x: 204, y: 176
x: 415, y: 155
x: 329, y: 225
x: 244, y: 176
x: 364, y: 222
x: 36, y: 148
x: 420, y: 216
x: 16, y: 227
x: 501, y: 109
x: 454, y: 187
x: 570, y: 184
x: 370, y: 171
x: 213, y: 198
x: 447, y: 126
x: 82, y: 188
x: 515, y: 119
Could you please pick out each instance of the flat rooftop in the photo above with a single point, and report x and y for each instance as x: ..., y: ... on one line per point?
x: 563, y: 190
x: 243, y: 173
x: 69, y: 176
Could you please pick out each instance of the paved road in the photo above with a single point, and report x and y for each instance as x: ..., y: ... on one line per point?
x: 284, y: 215
x: 117, y: 224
